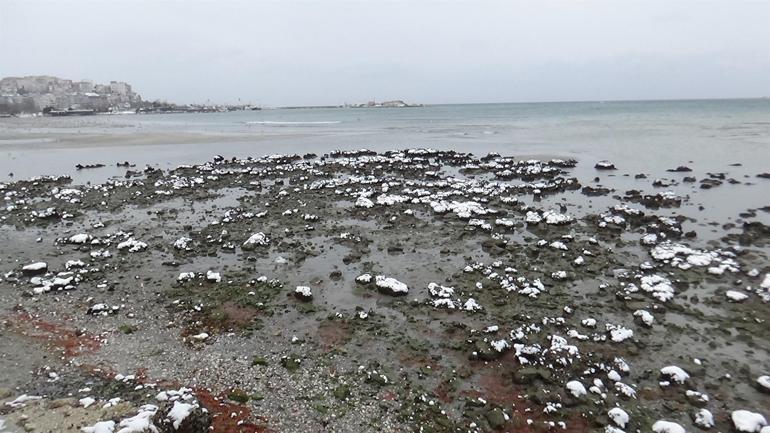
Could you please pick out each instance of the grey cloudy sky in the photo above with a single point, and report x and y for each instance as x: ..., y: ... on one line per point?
x: 327, y: 52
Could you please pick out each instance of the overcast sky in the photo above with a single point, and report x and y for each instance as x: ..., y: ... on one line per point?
x: 329, y: 52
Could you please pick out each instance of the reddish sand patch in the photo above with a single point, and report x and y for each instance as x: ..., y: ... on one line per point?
x: 333, y: 334
x: 228, y: 417
x: 225, y: 318
x: 414, y: 360
x: 238, y: 316
x: 442, y: 392
x: 388, y: 395
x: 141, y: 375
x: 219, y: 407
x: 495, y: 385
x: 55, y: 335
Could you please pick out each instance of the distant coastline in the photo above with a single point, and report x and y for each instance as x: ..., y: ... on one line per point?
x: 37, y: 95
x: 40, y: 95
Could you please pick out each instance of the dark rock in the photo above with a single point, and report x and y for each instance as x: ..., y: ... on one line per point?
x: 605, y: 165
x: 593, y: 192
x: 529, y: 375
x: 496, y: 419
x: 82, y: 166
x: 290, y: 363
x: 663, y: 183
x: 709, y: 183
x: 485, y: 352
x: 680, y: 169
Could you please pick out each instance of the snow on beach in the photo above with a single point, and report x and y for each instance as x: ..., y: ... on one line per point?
x: 414, y: 288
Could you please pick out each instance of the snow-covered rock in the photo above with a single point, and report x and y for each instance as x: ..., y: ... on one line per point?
x: 212, y: 276
x: 663, y: 426
x: 390, y: 286
x: 186, y: 276
x: 80, y: 238
x: 35, y: 268
x: 141, y: 422
x: 645, y: 316
x: 257, y: 239
x: 303, y: 293
x: 364, y: 279
x: 132, y: 245
x: 619, y: 334
x: 704, y: 419
x: 471, y: 305
x: 100, y: 427
x: 675, y: 373
x: 764, y: 382
x: 556, y: 218
x: 499, y: 345
x: 746, y: 421
x: 559, y: 275
x: 533, y: 217
x: 618, y: 416
x: 179, y: 412
x: 736, y: 296
x: 659, y: 287
x: 183, y: 243
x: 364, y: 202
x: 576, y: 388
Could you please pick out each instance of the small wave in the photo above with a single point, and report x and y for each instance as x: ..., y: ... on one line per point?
x: 293, y: 123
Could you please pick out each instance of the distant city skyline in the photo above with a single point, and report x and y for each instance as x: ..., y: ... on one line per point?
x: 33, y: 94
x: 334, y: 52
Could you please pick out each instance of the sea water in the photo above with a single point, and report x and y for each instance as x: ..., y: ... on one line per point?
x: 636, y: 135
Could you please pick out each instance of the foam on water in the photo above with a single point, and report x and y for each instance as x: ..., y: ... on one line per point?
x: 293, y: 123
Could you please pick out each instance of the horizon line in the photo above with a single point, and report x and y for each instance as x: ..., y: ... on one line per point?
x: 575, y: 101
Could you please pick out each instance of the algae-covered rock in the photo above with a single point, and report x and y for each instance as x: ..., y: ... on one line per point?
x: 496, y: 419
x: 529, y: 375
x: 342, y: 392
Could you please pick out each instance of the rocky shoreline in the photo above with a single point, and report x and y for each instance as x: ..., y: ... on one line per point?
x: 415, y: 290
